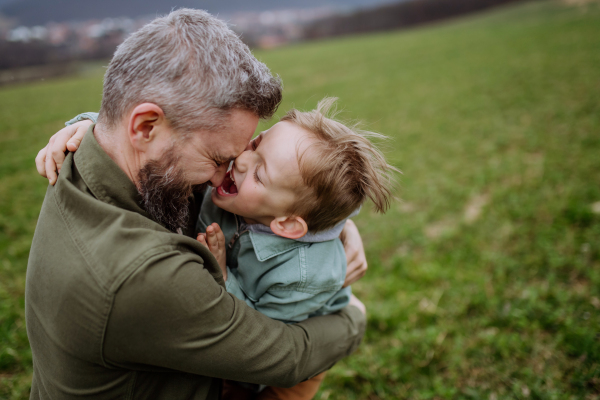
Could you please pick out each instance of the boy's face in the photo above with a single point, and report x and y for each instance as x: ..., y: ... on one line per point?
x: 264, y: 180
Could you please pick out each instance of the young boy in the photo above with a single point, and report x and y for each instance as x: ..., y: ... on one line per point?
x: 273, y: 225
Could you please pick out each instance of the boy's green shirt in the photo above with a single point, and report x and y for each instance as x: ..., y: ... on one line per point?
x: 284, y: 279
x: 119, y: 307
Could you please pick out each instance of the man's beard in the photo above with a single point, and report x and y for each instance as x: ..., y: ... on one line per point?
x: 166, y: 192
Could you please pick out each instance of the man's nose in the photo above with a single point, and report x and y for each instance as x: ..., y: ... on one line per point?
x: 219, y: 175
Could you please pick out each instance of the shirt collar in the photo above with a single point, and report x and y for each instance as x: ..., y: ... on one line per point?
x: 105, y: 179
x: 268, y: 246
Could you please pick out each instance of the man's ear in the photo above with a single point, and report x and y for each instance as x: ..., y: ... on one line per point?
x: 289, y: 227
x: 145, y: 122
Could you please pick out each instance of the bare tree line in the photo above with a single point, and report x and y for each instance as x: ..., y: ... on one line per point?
x: 396, y: 16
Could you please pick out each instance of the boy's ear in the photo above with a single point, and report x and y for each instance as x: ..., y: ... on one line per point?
x: 289, y: 227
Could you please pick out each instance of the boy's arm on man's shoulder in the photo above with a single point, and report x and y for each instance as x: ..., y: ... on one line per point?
x: 49, y: 160
x: 172, y: 313
x: 92, y: 116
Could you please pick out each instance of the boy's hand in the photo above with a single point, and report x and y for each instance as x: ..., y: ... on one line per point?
x: 355, y: 253
x: 214, y: 240
x: 50, y: 159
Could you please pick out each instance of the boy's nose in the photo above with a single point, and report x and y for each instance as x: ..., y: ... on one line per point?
x: 242, y: 162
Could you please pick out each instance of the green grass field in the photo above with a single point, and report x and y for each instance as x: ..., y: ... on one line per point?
x: 484, y: 279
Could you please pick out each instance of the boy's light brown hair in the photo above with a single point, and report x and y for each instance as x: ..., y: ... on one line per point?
x: 341, y: 169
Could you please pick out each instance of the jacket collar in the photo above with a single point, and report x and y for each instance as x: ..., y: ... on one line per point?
x: 268, y: 246
x: 105, y: 179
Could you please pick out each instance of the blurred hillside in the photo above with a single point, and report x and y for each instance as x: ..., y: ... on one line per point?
x: 72, y: 30
x: 40, y: 12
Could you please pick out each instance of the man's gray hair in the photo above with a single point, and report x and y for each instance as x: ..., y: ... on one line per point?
x: 191, y: 65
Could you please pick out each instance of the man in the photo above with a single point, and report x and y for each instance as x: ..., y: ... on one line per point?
x: 118, y: 305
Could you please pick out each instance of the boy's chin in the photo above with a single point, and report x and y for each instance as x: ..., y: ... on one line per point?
x: 221, y: 201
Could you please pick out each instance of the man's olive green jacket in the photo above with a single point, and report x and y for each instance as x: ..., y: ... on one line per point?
x: 118, y: 307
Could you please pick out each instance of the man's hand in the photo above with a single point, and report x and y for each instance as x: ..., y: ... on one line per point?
x: 50, y: 159
x: 355, y: 253
x: 214, y: 240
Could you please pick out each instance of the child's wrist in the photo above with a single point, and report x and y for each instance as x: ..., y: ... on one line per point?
x: 224, y: 271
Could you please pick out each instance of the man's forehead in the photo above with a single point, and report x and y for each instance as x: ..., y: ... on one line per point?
x: 225, y: 157
x: 230, y: 140
x: 230, y: 147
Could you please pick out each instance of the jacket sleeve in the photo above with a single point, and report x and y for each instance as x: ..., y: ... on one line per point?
x: 172, y: 314
x: 92, y: 116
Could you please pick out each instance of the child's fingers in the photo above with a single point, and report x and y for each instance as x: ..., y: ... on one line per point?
x: 211, y: 238
x: 221, y: 239
x: 215, y: 227
x: 202, y: 239
x: 76, y: 139
x: 219, y: 234
x: 40, y: 161
x: 51, y: 165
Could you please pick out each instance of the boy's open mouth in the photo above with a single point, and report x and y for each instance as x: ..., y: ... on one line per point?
x: 228, y: 187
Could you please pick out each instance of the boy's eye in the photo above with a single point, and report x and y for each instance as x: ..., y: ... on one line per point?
x: 256, y: 177
x: 256, y: 142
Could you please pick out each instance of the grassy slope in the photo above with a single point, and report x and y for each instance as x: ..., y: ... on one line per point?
x: 484, y: 281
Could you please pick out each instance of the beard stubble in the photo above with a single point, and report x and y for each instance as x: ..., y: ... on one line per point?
x: 166, y: 192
